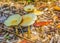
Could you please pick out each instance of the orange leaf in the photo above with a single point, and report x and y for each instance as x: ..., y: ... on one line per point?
x: 23, y: 41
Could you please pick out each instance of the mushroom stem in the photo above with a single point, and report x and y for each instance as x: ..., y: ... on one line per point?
x: 16, y: 30
x: 29, y: 32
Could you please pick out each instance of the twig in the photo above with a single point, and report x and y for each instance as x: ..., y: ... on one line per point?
x: 17, y: 35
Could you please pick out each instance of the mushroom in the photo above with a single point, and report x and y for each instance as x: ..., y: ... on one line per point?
x: 13, y: 20
x: 29, y: 8
x: 28, y: 20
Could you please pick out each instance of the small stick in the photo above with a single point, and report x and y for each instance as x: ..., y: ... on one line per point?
x: 22, y: 31
x: 51, y: 41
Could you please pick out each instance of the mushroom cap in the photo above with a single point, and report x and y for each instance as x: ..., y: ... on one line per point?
x: 29, y: 8
x: 28, y: 19
x: 13, y: 20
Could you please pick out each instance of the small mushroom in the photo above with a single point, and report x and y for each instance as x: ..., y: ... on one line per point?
x: 29, y: 8
x: 28, y: 19
x: 13, y: 20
